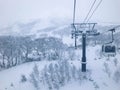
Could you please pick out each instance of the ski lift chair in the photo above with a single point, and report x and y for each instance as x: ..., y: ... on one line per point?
x: 109, y: 49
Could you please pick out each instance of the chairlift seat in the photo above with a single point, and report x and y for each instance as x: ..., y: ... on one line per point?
x: 109, y: 50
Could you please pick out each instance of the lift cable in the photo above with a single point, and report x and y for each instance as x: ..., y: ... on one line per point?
x: 94, y: 10
x: 74, y: 14
x: 89, y: 11
x: 74, y: 11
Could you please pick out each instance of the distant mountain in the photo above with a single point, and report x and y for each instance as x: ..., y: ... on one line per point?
x: 36, y: 28
x: 39, y: 28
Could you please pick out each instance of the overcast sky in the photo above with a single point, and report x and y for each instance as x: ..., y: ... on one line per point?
x: 12, y: 11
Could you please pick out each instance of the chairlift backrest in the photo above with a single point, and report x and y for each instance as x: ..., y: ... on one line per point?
x: 110, y: 49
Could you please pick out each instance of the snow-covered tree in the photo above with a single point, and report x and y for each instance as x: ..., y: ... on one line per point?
x: 35, y: 78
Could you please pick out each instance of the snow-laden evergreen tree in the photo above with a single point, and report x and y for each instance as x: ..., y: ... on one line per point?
x: 35, y: 78
x: 116, y: 76
x: 74, y: 72
x: 107, y: 69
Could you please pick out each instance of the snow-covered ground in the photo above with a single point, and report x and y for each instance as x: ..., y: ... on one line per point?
x: 102, y: 71
x: 10, y: 79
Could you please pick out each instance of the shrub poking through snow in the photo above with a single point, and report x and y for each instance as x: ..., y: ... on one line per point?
x: 23, y: 78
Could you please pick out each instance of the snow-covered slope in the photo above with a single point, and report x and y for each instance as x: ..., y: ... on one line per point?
x: 102, y: 75
x: 10, y: 79
x: 104, y: 71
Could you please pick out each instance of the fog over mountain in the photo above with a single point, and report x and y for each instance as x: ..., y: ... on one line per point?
x: 12, y: 11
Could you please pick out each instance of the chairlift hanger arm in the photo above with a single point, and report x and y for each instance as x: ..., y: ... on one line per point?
x: 112, y: 30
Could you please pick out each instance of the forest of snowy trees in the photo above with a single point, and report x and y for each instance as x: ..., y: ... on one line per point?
x: 17, y: 50
x: 61, y: 62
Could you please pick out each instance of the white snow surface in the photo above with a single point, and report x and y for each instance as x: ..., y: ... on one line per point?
x: 95, y: 63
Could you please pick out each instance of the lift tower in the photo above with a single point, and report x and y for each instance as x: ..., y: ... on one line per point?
x: 83, y: 29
